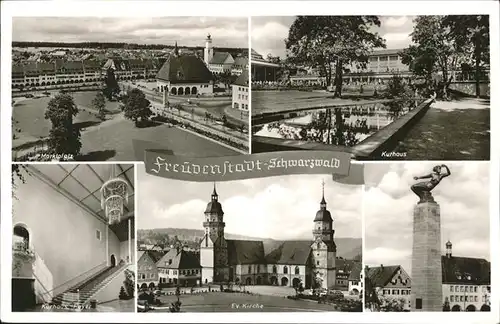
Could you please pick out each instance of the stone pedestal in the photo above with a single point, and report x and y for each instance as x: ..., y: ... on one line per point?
x: 426, y: 274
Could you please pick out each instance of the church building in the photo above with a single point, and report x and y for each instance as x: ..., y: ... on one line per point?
x: 271, y: 262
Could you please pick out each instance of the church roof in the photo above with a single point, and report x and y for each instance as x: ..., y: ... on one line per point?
x: 184, y: 69
x: 245, y: 252
x: 380, y: 276
x: 323, y: 215
x: 355, y: 271
x: 180, y: 260
x: 461, y: 270
x: 242, y: 80
x: 220, y: 57
x: 290, y: 252
x: 214, y: 207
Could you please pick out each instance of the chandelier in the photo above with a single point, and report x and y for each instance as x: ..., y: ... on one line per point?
x: 114, y: 196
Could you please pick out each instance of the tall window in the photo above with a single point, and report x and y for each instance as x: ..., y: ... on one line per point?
x: 21, y: 238
x: 297, y: 270
x: 249, y: 269
x: 285, y: 269
x: 275, y: 270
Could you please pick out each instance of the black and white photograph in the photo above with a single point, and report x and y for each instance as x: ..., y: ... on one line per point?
x: 84, y: 88
x: 73, y: 241
x: 279, y: 244
x: 427, y: 237
x: 377, y: 87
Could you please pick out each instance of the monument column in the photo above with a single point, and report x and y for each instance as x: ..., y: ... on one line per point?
x: 426, y: 274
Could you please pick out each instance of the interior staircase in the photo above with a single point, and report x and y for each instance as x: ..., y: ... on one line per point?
x: 81, y: 294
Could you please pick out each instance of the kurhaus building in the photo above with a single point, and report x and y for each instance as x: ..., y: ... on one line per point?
x: 284, y: 263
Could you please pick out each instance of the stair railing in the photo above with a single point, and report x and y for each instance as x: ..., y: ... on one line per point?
x: 75, y: 284
x: 119, y: 269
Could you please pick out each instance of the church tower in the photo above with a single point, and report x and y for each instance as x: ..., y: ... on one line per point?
x: 209, y: 51
x: 324, y: 249
x: 213, y: 247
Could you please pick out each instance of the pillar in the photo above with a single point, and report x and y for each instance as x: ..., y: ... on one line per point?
x: 426, y: 281
x: 130, y: 240
x: 107, y: 245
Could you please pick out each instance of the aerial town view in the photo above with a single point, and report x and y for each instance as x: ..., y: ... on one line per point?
x: 87, y: 89
x: 382, y: 88
x: 258, y: 245
x: 427, y: 242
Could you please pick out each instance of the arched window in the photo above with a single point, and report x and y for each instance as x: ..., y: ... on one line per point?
x: 249, y: 269
x: 258, y: 268
x: 297, y: 270
x: 285, y: 269
x: 275, y: 270
x: 21, y: 238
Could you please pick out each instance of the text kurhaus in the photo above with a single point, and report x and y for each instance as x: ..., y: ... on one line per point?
x: 227, y: 167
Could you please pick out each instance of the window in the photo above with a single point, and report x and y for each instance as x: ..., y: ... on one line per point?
x: 451, y: 288
x: 297, y: 270
x: 197, y: 271
x: 461, y: 298
x: 466, y: 298
x: 461, y: 288
x: 451, y: 299
x: 169, y: 261
x: 395, y: 292
x: 285, y: 269
x: 249, y: 269
x: 466, y: 289
x: 475, y: 299
x: 258, y: 268
x: 475, y: 289
x: 175, y: 272
x: 317, y: 262
x: 98, y: 234
x: 275, y: 270
x: 418, y: 303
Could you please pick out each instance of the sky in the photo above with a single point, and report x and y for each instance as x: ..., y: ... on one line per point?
x: 463, y: 198
x: 269, y: 33
x: 281, y: 207
x: 187, y: 31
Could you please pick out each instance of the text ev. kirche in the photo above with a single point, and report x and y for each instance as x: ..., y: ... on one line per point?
x: 228, y: 167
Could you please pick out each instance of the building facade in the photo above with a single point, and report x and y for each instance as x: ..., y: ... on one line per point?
x: 179, y: 267
x: 391, y: 282
x: 284, y: 263
x: 184, y: 75
x: 356, y: 280
x: 147, y: 272
x: 240, y: 92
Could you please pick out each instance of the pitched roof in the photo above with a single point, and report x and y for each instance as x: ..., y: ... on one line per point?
x: 245, y: 252
x: 460, y: 270
x: 242, y: 80
x: 380, y: 276
x: 181, y: 259
x: 240, y: 61
x: 184, y: 69
x: 220, y: 57
x: 356, y: 271
x: 156, y: 255
x: 290, y: 252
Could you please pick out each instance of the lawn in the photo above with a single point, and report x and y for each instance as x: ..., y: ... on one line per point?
x: 30, y: 114
x: 114, y: 142
x: 228, y: 302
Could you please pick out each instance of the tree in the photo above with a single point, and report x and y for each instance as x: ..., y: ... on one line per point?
x: 299, y: 288
x: 397, y: 89
x: 323, y: 42
x: 372, y: 300
x: 122, y: 295
x: 388, y: 304
x: 136, y: 107
x: 64, y: 137
x: 129, y: 283
x: 17, y: 173
x: 99, y: 104
x: 111, y: 87
x: 472, y: 33
x: 434, y: 55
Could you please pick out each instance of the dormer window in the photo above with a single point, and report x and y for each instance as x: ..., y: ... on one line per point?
x: 169, y: 261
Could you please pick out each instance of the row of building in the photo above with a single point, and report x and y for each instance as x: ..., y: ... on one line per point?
x: 59, y: 71
x: 466, y: 282
x: 310, y: 263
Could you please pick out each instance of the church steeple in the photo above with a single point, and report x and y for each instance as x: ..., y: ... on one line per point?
x: 322, y: 204
x: 215, y: 196
x: 176, y: 49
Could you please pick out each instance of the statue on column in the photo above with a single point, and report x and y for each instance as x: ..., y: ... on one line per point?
x: 423, y: 189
